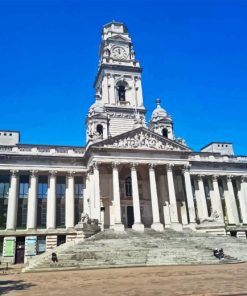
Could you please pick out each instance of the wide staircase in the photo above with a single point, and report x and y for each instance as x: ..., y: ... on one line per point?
x: 130, y: 248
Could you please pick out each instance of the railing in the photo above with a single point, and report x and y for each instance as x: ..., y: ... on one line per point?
x: 30, y: 149
x: 218, y: 157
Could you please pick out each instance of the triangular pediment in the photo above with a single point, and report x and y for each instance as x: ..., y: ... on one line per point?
x: 141, y: 138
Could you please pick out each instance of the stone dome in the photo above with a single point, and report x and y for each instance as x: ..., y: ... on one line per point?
x: 160, y: 113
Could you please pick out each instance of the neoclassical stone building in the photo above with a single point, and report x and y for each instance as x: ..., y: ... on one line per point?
x: 130, y: 174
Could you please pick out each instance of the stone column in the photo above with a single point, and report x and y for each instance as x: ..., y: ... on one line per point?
x: 96, y: 191
x: 154, y: 200
x: 184, y: 215
x: 172, y: 196
x: 70, y: 201
x: 243, y: 198
x: 201, y: 199
x: 189, y: 196
x: 138, y: 88
x: 118, y: 226
x: 111, y: 86
x: 13, y: 201
x: 231, y: 206
x: 216, y: 200
x: 86, y: 197
x: 32, y: 201
x: 105, y: 97
x: 92, y: 197
x: 138, y: 226
x: 51, y: 201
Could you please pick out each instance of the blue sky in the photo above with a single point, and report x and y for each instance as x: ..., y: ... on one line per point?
x: 194, y: 55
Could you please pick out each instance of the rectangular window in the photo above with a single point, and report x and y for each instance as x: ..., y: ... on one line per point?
x: 4, y: 186
x: 78, y: 198
x: 23, y: 186
x: 60, y: 204
x: 60, y: 187
x: 78, y: 187
x: 42, y: 187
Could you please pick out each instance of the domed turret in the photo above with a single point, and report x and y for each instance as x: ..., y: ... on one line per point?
x: 161, y: 121
x: 98, y: 106
x: 97, y: 121
x: 160, y: 113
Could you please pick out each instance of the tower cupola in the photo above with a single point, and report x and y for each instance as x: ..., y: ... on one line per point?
x: 161, y: 121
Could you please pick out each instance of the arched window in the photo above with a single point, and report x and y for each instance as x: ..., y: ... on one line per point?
x: 165, y: 132
x: 121, y: 93
x: 128, y: 186
x: 99, y: 129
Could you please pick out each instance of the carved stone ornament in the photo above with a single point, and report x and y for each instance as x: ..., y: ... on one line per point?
x: 115, y: 165
x: 14, y: 173
x: 186, y: 168
x: 243, y: 179
x: 213, y: 218
x: 215, y: 178
x: 142, y: 140
x: 34, y: 173
x: 53, y: 173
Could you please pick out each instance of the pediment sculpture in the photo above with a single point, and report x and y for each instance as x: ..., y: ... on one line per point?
x: 143, y: 140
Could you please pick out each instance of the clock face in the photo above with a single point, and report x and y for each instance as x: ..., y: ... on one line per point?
x: 119, y: 53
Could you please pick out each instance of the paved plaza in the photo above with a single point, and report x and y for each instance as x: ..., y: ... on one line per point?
x: 225, y: 279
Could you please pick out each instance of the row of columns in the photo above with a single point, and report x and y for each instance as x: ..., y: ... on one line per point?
x: 32, y: 201
x: 93, y: 189
x: 154, y: 198
x: 229, y: 197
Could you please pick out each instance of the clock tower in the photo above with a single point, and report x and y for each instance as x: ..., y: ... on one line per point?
x: 118, y: 86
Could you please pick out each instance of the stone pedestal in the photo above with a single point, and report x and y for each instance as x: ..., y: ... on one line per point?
x: 176, y: 226
x: 216, y: 228
x: 118, y: 227
x: 138, y: 227
x: 157, y: 227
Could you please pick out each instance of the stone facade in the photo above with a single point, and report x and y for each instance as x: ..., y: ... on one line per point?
x: 129, y: 175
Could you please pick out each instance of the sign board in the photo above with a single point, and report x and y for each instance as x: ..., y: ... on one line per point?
x: 30, y: 245
x: 9, y: 247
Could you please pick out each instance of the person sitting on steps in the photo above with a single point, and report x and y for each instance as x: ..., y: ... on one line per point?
x: 54, y: 258
x: 219, y: 253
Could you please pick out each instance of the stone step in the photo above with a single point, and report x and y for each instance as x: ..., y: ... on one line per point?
x: 109, y: 249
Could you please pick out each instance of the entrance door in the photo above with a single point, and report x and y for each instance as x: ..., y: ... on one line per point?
x: 61, y: 239
x: 20, y: 250
x: 130, y: 216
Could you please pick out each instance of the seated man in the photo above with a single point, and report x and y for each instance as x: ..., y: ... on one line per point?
x: 221, y: 254
x: 216, y: 253
x: 54, y: 258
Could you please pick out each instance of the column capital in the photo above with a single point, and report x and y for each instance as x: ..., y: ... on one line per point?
x: 229, y: 178
x: 70, y: 174
x: 152, y: 166
x: 199, y: 177
x: 53, y: 173
x: 14, y: 173
x: 243, y: 179
x: 34, y: 173
x: 115, y: 164
x: 186, y: 168
x: 215, y: 178
x: 96, y: 165
x: 133, y: 166
x: 169, y: 167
